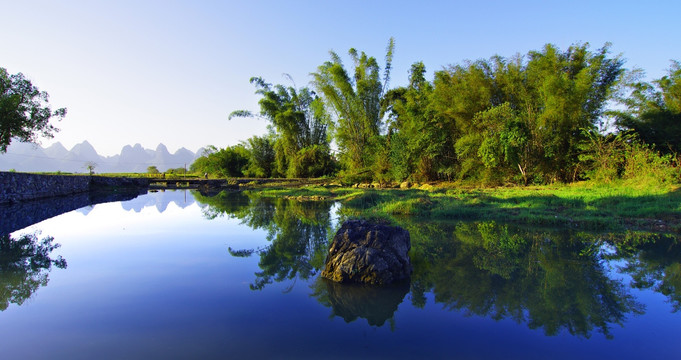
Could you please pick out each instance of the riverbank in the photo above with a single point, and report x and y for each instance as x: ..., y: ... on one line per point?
x: 21, y: 187
x: 611, y: 207
x: 615, y: 206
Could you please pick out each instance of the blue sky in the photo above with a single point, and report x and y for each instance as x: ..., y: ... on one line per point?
x: 171, y: 71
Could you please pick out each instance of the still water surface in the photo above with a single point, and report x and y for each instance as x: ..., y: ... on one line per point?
x: 177, y: 274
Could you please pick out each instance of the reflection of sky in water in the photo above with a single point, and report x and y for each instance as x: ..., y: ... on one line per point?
x: 152, y: 278
x: 111, y: 228
x: 137, y: 277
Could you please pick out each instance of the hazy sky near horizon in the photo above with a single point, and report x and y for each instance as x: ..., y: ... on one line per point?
x: 170, y: 72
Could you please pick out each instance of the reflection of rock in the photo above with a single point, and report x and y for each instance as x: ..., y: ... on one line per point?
x: 369, y: 253
x: 350, y: 301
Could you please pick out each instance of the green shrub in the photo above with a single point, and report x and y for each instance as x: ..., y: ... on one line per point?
x: 644, y: 165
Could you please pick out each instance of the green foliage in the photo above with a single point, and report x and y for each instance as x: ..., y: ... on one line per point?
x: 262, y: 156
x: 228, y: 162
x: 620, y: 205
x: 356, y: 102
x: 301, y: 122
x: 177, y: 171
x: 646, y: 167
x: 24, y: 112
x: 607, y: 158
x: 152, y: 170
x: 418, y: 146
x: 311, y: 161
x: 400, y: 166
x: 653, y: 111
x: 603, y: 156
x: 380, y: 161
x: 355, y: 176
x: 502, y: 145
x: 514, y: 119
x: 531, y: 119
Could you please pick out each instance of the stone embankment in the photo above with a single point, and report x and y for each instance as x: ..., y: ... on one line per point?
x: 18, y: 187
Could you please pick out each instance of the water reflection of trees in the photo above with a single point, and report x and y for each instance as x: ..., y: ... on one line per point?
x: 653, y: 261
x: 24, y: 266
x: 551, y: 280
x: 297, y: 232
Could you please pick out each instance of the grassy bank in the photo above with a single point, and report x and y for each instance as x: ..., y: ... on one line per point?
x: 615, y: 206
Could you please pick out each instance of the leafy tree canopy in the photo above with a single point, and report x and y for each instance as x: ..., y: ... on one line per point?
x: 24, y: 111
x: 356, y: 101
x: 300, y: 122
x: 653, y: 111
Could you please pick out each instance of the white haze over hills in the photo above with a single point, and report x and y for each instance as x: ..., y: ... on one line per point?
x: 32, y: 158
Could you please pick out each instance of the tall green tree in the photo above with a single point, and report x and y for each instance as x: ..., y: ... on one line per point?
x: 261, y: 161
x: 356, y: 102
x: 570, y: 90
x: 525, y: 115
x: 418, y: 146
x: 228, y: 162
x: 653, y: 111
x: 24, y: 111
x: 459, y: 93
x: 300, y: 122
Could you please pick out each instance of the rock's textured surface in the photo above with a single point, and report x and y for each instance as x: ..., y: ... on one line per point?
x: 16, y: 187
x: 368, y: 253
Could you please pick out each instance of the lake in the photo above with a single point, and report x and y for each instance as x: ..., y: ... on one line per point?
x: 179, y: 274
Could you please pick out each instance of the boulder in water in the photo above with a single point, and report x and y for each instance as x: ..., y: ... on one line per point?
x: 368, y: 253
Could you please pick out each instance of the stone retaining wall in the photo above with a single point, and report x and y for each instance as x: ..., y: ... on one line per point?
x: 17, y: 187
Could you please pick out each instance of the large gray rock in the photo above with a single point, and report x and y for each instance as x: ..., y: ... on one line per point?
x: 368, y: 253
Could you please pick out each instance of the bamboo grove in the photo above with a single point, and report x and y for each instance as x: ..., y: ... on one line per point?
x: 549, y: 115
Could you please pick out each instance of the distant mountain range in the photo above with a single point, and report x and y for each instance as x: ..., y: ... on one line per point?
x: 28, y: 157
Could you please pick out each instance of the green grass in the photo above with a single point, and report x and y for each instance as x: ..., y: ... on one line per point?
x: 584, y: 205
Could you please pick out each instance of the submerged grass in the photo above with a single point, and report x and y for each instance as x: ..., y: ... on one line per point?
x: 614, y: 206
